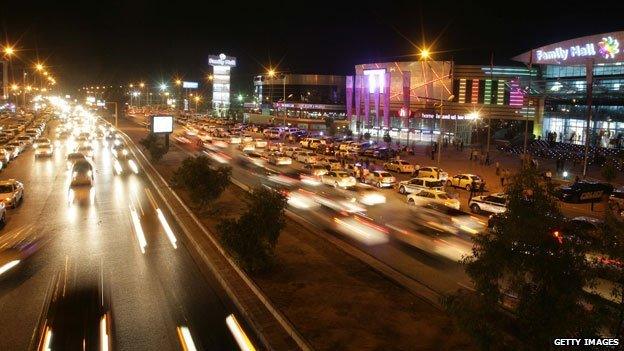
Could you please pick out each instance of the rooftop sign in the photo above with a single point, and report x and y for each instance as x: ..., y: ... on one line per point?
x: 221, y: 60
x: 601, y: 48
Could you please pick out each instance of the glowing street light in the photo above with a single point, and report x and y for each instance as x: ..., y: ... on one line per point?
x: 14, y: 87
x: 8, y: 50
x: 240, y: 97
x: 131, y: 85
x: 425, y: 54
x: 39, y: 67
x: 142, y: 85
x: 163, y: 86
x: 271, y: 72
x: 178, y: 82
x: 210, y: 77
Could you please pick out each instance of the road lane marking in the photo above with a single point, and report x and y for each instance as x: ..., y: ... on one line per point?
x: 186, y: 339
x: 239, y: 334
x: 138, y: 230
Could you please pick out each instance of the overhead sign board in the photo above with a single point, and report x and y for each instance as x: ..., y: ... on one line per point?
x: 190, y: 85
x: 600, y: 48
x: 162, y: 124
x: 221, y: 60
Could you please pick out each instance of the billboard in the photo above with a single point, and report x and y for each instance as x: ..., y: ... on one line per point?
x: 600, y: 48
x: 221, y: 60
x: 162, y: 124
x: 190, y: 85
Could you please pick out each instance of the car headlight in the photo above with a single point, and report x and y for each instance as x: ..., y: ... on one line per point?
x: 124, y: 152
x: 74, y: 174
x: 89, y: 173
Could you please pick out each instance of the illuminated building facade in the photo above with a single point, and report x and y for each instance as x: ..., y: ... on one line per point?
x: 221, y: 66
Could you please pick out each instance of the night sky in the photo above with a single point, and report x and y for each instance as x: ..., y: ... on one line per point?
x: 123, y: 42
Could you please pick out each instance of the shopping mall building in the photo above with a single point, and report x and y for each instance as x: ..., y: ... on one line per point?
x: 418, y: 100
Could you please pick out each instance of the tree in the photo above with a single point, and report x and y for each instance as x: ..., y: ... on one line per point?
x: 609, y: 172
x: 155, y: 146
x: 203, y: 183
x: 252, y: 237
x: 526, y: 265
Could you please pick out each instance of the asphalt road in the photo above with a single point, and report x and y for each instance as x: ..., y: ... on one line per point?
x: 152, y: 293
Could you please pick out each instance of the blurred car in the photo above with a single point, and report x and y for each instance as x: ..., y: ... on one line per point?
x: 27, y: 140
x: 86, y: 150
x: 82, y: 173
x: 44, y: 150
x: 260, y: 143
x: 40, y: 141
x: 119, y: 151
x: 425, y: 197
x: 307, y: 157
x: 416, y: 184
x: 18, y: 247
x: 290, y: 151
x: 11, y: 192
x: 432, y: 172
x: 493, y: 203
x: 76, y: 316
x: 246, y: 147
x: 338, y: 179
x: 399, y: 166
x: 380, y: 179
x: 278, y: 159
x: 331, y: 163
x: 464, y: 181
x: 17, y: 145
x: 368, y: 195
x: 73, y: 157
x: 315, y: 170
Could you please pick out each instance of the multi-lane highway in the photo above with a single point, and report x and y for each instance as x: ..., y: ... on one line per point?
x: 155, y: 286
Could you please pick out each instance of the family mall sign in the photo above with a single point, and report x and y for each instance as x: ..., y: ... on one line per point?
x: 601, y: 48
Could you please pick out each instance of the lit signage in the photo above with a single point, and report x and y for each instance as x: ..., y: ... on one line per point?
x: 190, y: 85
x: 602, y: 48
x: 376, y: 79
x: 162, y: 124
x: 221, y: 60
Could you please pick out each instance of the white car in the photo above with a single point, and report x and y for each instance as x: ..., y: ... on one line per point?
x: 493, y: 203
x: 260, y: 143
x: 40, y: 141
x: 290, y: 151
x: 432, y: 172
x: 82, y: 173
x: 307, y: 157
x: 369, y: 196
x: 316, y: 170
x: 247, y: 147
x: 279, y: 159
x: 415, y: 185
x: 331, y: 163
x: 424, y: 197
x: 464, y: 181
x: 235, y: 139
x: 380, y: 179
x: 248, y: 139
x: 45, y: 150
x: 11, y: 192
x: 399, y: 166
x: 338, y: 179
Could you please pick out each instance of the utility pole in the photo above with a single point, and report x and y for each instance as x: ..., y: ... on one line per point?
x: 589, y: 73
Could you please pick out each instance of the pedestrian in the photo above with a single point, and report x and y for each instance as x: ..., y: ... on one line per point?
x: 473, y: 187
x: 497, y: 165
x: 416, y: 170
x: 481, y: 187
x: 461, y: 145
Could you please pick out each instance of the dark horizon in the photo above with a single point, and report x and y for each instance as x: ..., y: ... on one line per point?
x: 128, y: 42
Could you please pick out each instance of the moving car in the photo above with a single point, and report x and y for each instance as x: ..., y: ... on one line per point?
x: 432, y: 172
x: 338, y: 179
x: 246, y: 147
x: 290, y: 151
x: 380, y: 179
x: 40, y: 141
x: 86, y: 150
x: 464, y: 181
x: 11, y: 192
x: 44, y: 150
x: 119, y: 151
x: 260, y: 143
x: 416, y: 184
x: 584, y: 191
x: 316, y: 170
x: 82, y: 173
x: 73, y: 157
x: 424, y: 197
x: 278, y: 159
x: 399, y: 166
x: 493, y: 203
x: 331, y: 164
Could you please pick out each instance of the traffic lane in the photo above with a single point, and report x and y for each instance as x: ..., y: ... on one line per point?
x: 154, y: 292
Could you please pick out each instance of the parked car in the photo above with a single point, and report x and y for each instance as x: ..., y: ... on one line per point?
x: 464, y: 181
x: 416, y: 184
x: 316, y: 170
x: 432, y: 172
x: 260, y: 143
x: 493, y: 203
x: 44, y: 150
x: 399, y: 166
x: 11, y: 192
x: 290, y: 151
x: 278, y: 159
x: 380, y: 179
x: 338, y: 179
x: 331, y: 163
x: 307, y: 157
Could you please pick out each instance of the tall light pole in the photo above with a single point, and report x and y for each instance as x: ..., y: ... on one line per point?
x: 8, y: 52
